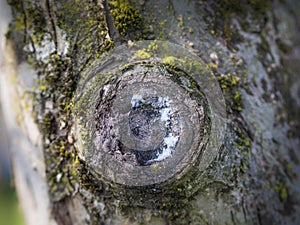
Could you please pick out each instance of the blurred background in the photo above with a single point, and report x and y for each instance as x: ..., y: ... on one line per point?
x: 10, y: 212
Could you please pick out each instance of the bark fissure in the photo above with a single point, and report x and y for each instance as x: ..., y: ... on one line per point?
x: 113, y: 32
x: 49, y: 7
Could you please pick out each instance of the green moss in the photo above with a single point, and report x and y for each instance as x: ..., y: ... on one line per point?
x: 237, y: 101
x: 127, y: 18
x: 242, y: 141
x: 48, y: 125
x: 230, y: 84
x: 282, y: 190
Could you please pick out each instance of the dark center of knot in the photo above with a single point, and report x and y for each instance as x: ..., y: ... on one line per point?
x: 141, y: 121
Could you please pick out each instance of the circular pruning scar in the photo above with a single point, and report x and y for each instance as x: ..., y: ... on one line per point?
x: 151, y: 120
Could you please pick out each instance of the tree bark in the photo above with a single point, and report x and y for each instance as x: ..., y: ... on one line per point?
x: 250, y: 48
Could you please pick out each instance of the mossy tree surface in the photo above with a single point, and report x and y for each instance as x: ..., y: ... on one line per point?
x: 251, y: 47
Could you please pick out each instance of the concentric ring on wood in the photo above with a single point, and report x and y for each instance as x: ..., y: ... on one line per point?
x: 144, y: 115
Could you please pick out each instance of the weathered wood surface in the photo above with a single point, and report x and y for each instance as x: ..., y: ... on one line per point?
x: 252, y: 48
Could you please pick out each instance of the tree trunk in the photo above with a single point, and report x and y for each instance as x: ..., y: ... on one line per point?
x: 225, y: 71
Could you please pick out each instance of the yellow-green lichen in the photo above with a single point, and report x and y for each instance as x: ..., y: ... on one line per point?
x: 190, y: 65
x: 171, y: 60
x: 153, y: 47
x: 142, y: 54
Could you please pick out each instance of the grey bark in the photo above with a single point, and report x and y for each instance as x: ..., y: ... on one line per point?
x: 253, y: 50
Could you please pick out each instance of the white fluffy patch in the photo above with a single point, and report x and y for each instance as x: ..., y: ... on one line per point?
x: 165, y: 114
x: 170, y: 143
x: 136, y: 99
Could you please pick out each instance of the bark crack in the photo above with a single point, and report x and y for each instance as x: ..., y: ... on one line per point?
x: 52, y: 19
x: 112, y: 31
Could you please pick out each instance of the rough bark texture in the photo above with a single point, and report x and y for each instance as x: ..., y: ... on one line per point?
x: 251, y: 47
